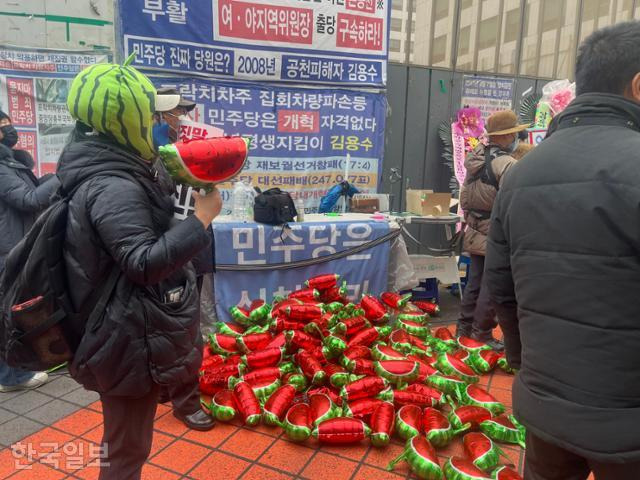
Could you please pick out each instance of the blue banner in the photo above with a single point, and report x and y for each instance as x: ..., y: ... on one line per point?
x: 303, y: 41
x: 257, y: 244
x: 301, y: 139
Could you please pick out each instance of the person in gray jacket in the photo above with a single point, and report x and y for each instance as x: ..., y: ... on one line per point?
x: 486, y: 168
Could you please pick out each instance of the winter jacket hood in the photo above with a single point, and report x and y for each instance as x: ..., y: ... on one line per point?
x: 17, y: 158
x: 564, y: 241
x: 88, y: 154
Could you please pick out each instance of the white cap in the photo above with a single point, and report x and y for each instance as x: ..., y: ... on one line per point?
x: 166, y: 103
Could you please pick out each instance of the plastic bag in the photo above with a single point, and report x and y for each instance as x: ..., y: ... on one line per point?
x: 556, y: 96
x: 401, y: 271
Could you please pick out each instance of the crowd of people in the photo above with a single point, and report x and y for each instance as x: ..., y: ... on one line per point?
x: 552, y: 232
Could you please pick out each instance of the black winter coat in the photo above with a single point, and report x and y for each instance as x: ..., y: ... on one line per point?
x: 125, y: 223
x: 204, y: 261
x: 22, y: 197
x: 563, y: 266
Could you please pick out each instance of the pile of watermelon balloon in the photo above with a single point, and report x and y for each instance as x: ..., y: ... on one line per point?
x: 316, y: 365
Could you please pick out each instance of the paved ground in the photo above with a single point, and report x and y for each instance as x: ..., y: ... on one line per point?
x: 54, y: 432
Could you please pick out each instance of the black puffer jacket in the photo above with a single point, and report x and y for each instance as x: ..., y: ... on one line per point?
x: 563, y: 265
x: 22, y: 198
x: 139, y: 339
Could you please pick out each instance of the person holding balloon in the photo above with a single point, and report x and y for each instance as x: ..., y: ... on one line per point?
x: 120, y: 224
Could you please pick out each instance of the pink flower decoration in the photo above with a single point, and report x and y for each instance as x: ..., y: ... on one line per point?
x: 560, y: 100
x: 470, y: 122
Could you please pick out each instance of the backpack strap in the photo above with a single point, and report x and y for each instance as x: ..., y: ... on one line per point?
x: 490, y: 174
x: 107, y: 290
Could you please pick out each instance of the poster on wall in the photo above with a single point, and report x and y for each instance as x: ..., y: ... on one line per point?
x: 300, y: 138
x: 489, y: 94
x: 302, y: 41
x: 33, y: 91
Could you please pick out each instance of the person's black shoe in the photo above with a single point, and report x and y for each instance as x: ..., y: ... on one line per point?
x: 199, y: 420
x: 496, y: 345
x: 463, y: 331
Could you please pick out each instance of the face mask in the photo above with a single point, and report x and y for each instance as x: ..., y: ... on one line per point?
x: 514, y: 145
x: 9, y: 136
x: 161, y: 135
x: 173, y: 134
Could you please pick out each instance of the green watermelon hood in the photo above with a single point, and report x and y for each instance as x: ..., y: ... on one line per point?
x: 117, y: 101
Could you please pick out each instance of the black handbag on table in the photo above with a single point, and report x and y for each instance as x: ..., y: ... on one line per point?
x: 274, y: 207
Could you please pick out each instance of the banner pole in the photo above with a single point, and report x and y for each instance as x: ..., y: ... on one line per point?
x: 346, y: 179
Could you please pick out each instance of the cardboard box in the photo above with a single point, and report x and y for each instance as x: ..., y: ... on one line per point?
x: 382, y: 198
x: 427, y: 203
x: 365, y: 205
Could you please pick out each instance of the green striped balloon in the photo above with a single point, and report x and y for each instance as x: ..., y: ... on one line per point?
x: 118, y: 101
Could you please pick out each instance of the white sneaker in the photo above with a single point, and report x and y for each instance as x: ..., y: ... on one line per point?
x: 39, y: 379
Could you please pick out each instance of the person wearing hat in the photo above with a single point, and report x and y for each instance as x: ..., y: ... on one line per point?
x: 120, y: 226
x: 22, y: 198
x: 185, y: 397
x: 486, y: 167
x: 166, y: 128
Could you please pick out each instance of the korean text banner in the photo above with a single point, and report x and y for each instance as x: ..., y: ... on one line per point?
x: 300, y: 138
x: 301, y: 41
x: 489, y: 94
x: 33, y: 92
x: 256, y: 244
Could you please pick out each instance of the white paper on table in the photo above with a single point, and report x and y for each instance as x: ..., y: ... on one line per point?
x: 444, y: 269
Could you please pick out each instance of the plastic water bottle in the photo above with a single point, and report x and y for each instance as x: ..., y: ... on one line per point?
x: 250, y: 200
x: 239, y: 208
x: 299, y: 203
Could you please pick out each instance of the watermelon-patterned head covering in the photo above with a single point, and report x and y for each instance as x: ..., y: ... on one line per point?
x: 117, y: 101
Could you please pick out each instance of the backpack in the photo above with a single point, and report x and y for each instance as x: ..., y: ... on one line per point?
x: 274, y: 207
x: 36, y: 307
x: 487, y: 176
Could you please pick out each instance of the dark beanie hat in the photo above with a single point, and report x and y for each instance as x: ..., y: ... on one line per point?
x: 4, y: 115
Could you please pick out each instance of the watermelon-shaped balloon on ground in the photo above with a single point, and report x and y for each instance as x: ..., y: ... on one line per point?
x: 202, y: 163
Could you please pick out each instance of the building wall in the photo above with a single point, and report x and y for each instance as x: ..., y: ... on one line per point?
x: 537, y: 38
x: 532, y: 41
x: 398, y: 41
x: 60, y: 24
x: 418, y: 104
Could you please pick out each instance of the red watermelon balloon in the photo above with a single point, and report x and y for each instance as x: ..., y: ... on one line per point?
x: 202, y: 163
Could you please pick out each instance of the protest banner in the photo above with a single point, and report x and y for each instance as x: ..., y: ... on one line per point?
x: 33, y: 91
x: 259, y: 245
x: 489, y: 94
x: 322, y: 41
x: 300, y: 137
